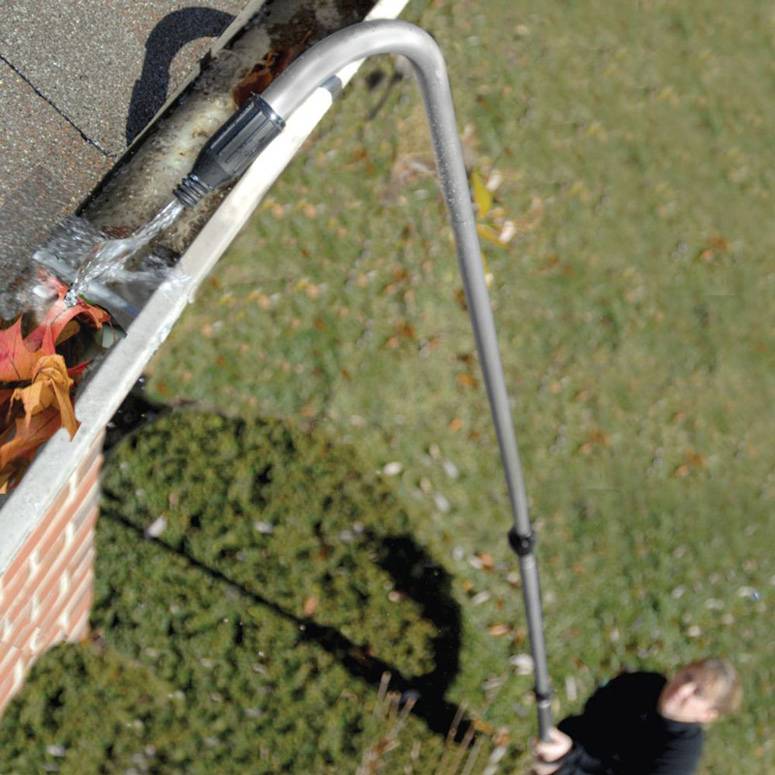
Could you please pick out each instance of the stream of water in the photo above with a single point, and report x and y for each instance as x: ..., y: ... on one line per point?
x: 107, y: 257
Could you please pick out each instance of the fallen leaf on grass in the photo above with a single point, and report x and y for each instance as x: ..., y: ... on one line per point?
x: 487, y: 232
x: 595, y: 438
x: 482, y: 196
x: 498, y: 630
x: 467, y: 379
x: 692, y: 461
x: 713, y: 249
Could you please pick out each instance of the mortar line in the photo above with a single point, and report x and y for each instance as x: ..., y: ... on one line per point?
x: 48, y: 100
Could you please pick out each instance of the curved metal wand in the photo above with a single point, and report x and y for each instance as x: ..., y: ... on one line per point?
x: 284, y: 95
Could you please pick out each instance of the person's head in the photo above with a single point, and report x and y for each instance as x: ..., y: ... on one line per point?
x: 701, y: 692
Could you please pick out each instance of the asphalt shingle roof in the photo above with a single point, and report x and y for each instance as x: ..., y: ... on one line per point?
x: 78, y: 82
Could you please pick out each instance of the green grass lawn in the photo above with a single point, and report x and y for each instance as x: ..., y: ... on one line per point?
x: 630, y: 150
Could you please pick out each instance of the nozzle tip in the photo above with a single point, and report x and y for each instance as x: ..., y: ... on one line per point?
x: 190, y: 190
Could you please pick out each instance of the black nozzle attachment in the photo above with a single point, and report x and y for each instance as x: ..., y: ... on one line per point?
x: 229, y: 152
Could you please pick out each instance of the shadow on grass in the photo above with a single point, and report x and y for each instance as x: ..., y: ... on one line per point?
x: 412, y: 570
x: 415, y: 575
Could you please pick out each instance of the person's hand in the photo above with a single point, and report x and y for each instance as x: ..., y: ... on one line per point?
x: 548, y: 753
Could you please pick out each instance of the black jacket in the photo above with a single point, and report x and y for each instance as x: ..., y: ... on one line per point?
x: 621, y: 732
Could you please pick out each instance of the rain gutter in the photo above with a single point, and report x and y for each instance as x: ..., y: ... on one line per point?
x: 57, y: 466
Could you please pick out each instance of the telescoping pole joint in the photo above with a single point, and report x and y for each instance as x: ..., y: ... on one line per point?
x: 522, y: 544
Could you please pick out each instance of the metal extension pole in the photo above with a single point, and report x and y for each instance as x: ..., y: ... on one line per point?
x: 395, y: 37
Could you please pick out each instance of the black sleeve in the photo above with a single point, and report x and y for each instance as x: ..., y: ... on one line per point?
x: 578, y: 761
x: 679, y: 757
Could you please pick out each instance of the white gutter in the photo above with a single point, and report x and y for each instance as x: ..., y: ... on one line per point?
x: 58, y: 461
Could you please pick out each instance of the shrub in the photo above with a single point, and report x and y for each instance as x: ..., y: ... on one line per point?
x: 83, y: 706
x: 250, y: 633
x: 287, y: 517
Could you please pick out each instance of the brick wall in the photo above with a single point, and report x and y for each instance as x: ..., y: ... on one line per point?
x: 47, y: 587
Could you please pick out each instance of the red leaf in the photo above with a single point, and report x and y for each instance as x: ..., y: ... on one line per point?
x: 18, y: 355
x: 59, y: 315
x: 46, y: 383
x: 17, y: 358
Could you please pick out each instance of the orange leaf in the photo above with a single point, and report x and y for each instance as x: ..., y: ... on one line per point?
x: 50, y: 387
x: 466, y: 379
x: 18, y: 445
x: 455, y: 424
x: 19, y: 355
x: 310, y: 606
x: 17, y: 358
x: 46, y: 399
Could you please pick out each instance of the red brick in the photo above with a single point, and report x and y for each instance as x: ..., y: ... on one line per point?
x: 51, y: 559
x: 48, y: 536
x: 86, y: 564
x: 52, y: 544
x: 82, y: 547
x: 20, y: 562
x: 55, y: 605
x: 18, y: 566
x: 55, y: 549
x: 21, y: 632
x: 8, y: 657
x: 51, y: 637
x: 83, y: 584
x: 80, y: 609
x: 56, y: 517
x: 69, y: 555
x: 81, y: 629
x: 67, y: 560
x: 10, y: 591
x: 19, y: 671
x: 59, y: 501
x: 19, y: 614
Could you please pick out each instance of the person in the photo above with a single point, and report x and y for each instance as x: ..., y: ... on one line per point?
x: 642, y: 724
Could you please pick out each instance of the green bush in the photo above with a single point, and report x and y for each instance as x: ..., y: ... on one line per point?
x: 214, y: 659
x: 83, y: 706
x: 286, y: 516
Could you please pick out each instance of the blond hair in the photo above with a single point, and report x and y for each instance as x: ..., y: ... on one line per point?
x: 719, y: 681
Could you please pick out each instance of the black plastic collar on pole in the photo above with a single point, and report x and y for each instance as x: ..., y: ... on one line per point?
x: 521, y: 544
